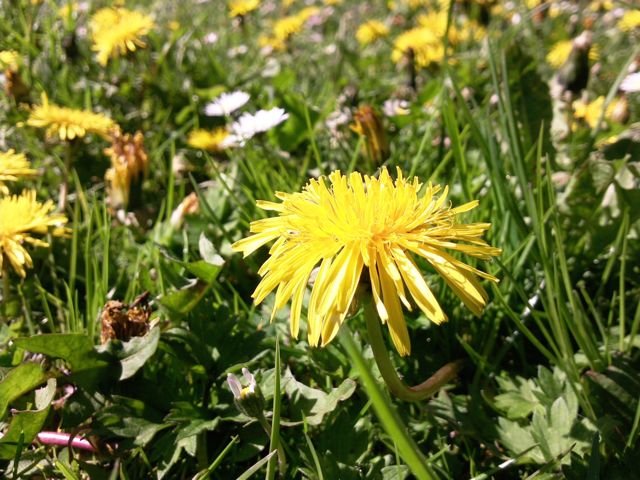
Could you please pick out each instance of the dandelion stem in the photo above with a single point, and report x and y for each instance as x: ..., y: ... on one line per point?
x: 64, y: 186
x: 391, y: 422
x: 5, y: 290
x: 388, y: 371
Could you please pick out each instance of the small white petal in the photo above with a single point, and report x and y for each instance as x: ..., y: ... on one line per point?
x: 226, y: 103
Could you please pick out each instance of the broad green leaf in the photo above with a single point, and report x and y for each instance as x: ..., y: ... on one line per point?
x: 134, y: 353
x: 87, y: 365
x: 25, y: 425
x: 20, y: 380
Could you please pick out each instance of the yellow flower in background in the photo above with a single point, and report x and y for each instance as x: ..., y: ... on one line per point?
x: 590, y: 112
x: 9, y: 59
x: 436, y: 22
x: 561, y: 50
x: 22, y: 217
x: 359, y: 222
x: 421, y: 42
x: 629, y: 21
x: 211, y: 140
x: 115, y: 31
x: 240, y: 8
x: 129, y: 163
x: 68, y: 123
x: 371, y: 31
x: 12, y: 166
x: 285, y: 27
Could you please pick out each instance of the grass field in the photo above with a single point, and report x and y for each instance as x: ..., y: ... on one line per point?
x: 438, y: 190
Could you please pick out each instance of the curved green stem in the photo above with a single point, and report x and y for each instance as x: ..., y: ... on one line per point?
x: 6, y: 285
x: 391, y: 422
x: 388, y: 371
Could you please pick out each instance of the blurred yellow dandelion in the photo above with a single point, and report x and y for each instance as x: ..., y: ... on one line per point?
x: 561, y: 50
x: 240, y: 8
x: 9, y: 59
x: 212, y: 140
x: 285, y: 27
x: 365, y: 222
x: 371, y: 31
x: 12, y: 166
x: 630, y: 20
x: 68, y: 123
x: 22, y: 217
x: 590, y: 112
x: 422, y: 43
x: 118, y: 30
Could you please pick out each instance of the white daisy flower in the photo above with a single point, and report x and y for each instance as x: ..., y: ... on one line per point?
x: 249, y: 125
x: 395, y: 107
x: 631, y: 83
x: 226, y: 103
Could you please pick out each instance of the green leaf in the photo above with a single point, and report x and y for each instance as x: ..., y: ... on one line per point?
x: 134, y: 353
x: 25, y: 425
x: 395, y: 472
x: 204, y: 270
x: 184, y: 300
x: 208, y: 251
x: 312, y: 403
x: 20, y: 380
x: 87, y: 365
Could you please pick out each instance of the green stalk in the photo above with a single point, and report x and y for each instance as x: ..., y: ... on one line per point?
x: 5, y: 290
x: 388, y: 371
x: 391, y: 422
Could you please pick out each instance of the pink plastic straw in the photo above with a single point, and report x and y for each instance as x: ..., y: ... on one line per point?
x: 65, y: 440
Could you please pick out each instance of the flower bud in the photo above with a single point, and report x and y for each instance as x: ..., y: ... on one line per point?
x: 248, y: 399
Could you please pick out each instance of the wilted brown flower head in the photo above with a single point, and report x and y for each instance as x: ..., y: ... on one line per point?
x: 129, y: 163
x: 369, y: 124
x: 121, y: 321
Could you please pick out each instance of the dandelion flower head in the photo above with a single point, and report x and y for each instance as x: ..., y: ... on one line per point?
x: 560, y: 52
x: 12, y: 166
x: 68, y: 123
x: 9, y: 59
x: 371, y: 31
x: 117, y: 31
x: 212, y: 140
x: 357, y: 222
x: 240, y: 8
x: 421, y: 42
x: 22, y: 217
x: 630, y: 20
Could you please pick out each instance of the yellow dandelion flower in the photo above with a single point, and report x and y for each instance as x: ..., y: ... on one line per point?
x: 590, y: 112
x: 629, y: 21
x: 287, y: 26
x: 9, y: 59
x: 118, y: 30
x: 271, y: 42
x: 214, y: 140
x: 371, y: 31
x: 12, y: 166
x: 365, y: 222
x: 240, y: 8
x: 422, y: 42
x: 22, y: 217
x: 561, y: 50
x: 68, y: 123
x: 436, y: 21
